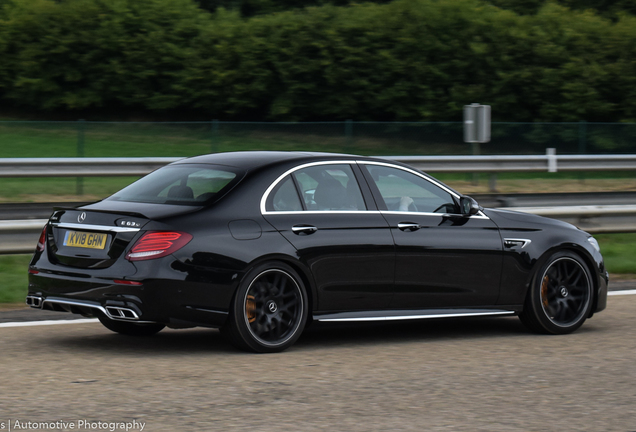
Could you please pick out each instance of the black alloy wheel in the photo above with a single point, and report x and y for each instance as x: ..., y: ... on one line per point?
x: 131, y: 328
x: 269, y: 310
x: 560, y: 298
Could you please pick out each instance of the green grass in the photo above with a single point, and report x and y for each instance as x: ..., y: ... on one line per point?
x: 619, y: 251
x: 60, y: 189
x: 69, y: 139
x: 13, y: 269
x: 129, y: 139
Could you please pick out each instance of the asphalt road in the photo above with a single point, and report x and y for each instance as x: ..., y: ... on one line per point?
x: 436, y: 375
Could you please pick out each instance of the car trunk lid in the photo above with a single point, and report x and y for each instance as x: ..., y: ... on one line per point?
x: 91, y: 239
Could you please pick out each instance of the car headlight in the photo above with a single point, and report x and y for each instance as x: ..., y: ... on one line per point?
x: 594, y: 243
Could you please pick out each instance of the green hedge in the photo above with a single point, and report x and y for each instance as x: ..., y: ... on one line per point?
x: 405, y: 60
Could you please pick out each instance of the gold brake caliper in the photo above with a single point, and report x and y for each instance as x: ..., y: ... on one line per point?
x: 544, y: 291
x: 250, y: 308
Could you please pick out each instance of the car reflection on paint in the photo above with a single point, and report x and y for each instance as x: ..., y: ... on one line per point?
x: 259, y: 243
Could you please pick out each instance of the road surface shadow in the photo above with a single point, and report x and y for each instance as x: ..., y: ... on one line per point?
x: 410, y: 331
x: 317, y: 336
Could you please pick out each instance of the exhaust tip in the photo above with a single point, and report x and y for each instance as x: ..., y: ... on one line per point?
x: 34, y: 301
x: 121, y: 313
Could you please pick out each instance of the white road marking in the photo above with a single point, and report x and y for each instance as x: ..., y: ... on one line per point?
x: 624, y: 292
x: 49, y: 322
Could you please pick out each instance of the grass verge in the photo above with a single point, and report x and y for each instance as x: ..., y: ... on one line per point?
x: 94, y: 139
x: 618, y: 250
x: 13, y: 269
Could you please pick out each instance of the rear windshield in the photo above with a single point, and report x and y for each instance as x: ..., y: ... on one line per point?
x: 185, y: 184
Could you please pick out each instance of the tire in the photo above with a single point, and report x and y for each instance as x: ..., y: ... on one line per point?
x: 131, y: 329
x: 269, y: 310
x: 560, y: 297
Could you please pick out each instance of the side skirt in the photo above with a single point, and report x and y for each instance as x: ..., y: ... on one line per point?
x: 391, y: 315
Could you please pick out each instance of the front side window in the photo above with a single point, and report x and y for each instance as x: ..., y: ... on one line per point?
x: 329, y: 187
x: 407, y: 192
x: 182, y: 184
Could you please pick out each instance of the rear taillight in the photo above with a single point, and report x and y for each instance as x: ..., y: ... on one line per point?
x: 42, y: 241
x: 157, y: 244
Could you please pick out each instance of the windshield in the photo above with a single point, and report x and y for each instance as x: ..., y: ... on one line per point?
x: 185, y: 184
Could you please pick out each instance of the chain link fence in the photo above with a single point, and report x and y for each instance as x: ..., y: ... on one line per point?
x: 141, y: 139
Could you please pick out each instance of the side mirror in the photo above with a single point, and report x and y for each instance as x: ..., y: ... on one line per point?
x: 468, y: 206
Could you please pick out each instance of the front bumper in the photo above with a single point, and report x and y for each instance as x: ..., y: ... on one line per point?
x: 601, y: 295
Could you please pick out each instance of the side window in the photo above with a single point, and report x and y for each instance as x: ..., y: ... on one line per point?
x: 330, y: 187
x: 404, y: 191
x: 284, y: 197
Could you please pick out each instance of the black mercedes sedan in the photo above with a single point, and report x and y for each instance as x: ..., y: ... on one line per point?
x: 258, y: 244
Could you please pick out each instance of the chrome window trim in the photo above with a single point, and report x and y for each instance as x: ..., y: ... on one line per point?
x: 317, y: 212
x: 291, y: 170
x: 441, y: 186
x: 264, y: 211
x: 480, y: 215
x: 477, y: 216
x: 93, y: 227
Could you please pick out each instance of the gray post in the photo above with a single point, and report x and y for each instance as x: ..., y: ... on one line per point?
x: 476, y: 128
x: 477, y: 123
x: 492, y: 182
x: 79, y: 181
x: 475, y: 148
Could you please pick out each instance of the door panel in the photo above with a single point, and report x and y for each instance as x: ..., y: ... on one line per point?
x: 447, y: 262
x: 351, y: 256
x: 322, y: 211
x: 443, y: 259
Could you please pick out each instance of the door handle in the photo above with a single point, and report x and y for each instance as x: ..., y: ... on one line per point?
x: 304, y: 229
x: 408, y: 226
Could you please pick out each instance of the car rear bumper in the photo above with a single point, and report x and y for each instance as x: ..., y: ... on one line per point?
x: 151, y: 301
x: 86, y: 308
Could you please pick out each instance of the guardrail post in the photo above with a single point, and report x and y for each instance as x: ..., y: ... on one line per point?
x: 79, y: 181
x: 492, y: 182
x: 475, y: 148
x: 214, y: 131
x: 552, y: 159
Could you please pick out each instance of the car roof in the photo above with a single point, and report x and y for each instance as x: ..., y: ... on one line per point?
x: 255, y: 159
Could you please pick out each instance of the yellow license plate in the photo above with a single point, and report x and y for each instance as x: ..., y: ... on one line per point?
x: 85, y: 239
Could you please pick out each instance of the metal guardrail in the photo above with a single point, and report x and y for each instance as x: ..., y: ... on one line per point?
x: 514, y: 163
x: 578, y: 211
x: 593, y: 219
x: 104, y: 167
x: 81, y: 167
x: 20, y: 236
x: 22, y: 225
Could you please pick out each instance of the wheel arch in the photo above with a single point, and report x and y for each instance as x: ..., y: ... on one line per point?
x: 582, y: 253
x: 302, y: 270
